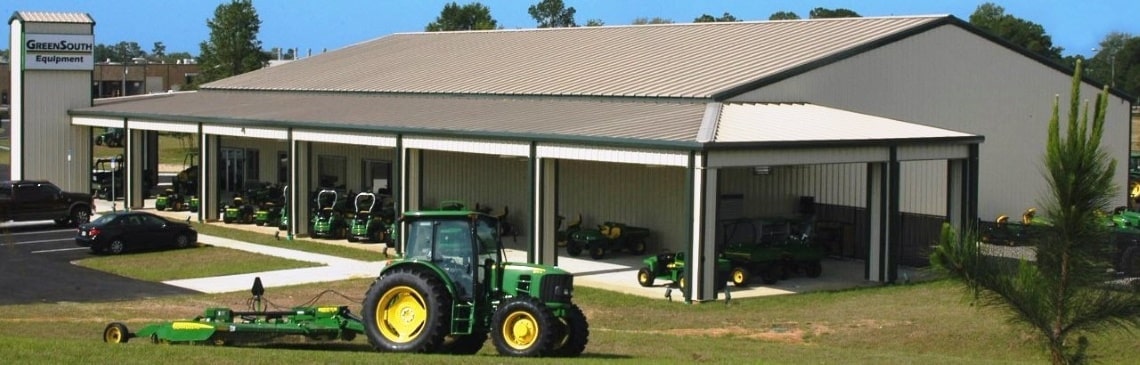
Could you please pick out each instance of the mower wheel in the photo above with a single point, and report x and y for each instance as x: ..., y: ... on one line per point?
x: 352, y: 239
x: 813, y: 269
x: 1130, y: 261
x: 575, y: 333
x: 407, y: 310
x: 524, y: 326
x: 740, y: 276
x: 597, y: 253
x: 645, y: 277
x: 573, y: 248
x: 116, y: 333
x: 116, y: 247
x: 771, y: 274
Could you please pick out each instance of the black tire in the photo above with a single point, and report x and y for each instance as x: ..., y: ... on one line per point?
x: 116, y: 333
x: 524, y: 326
x: 573, y: 248
x: 597, y: 253
x: 466, y: 344
x: 117, y: 246
x: 1130, y: 261
x: 772, y: 273
x: 575, y: 333
x: 740, y: 276
x: 352, y: 239
x: 637, y: 247
x: 407, y: 310
x: 80, y: 215
x: 182, y: 241
x: 813, y: 269
x: 645, y: 277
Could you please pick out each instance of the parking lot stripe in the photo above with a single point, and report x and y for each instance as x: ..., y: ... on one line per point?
x: 40, y: 241
x: 39, y: 232
x: 61, y: 249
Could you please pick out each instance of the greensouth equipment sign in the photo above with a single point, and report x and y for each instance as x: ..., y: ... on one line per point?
x: 59, y: 52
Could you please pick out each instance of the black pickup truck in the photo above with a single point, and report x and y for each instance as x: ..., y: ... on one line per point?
x: 30, y: 200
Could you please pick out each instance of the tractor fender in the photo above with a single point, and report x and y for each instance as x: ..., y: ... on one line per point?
x: 423, y: 266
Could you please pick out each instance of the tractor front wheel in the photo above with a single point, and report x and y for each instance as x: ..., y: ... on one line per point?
x: 739, y: 276
x: 645, y: 277
x: 116, y: 333
x: 524, y: 326
x: 407, y: 311
x: 575, y: 333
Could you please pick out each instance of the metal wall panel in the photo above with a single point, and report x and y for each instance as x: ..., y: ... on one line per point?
x: 505, y: 148
x: 151, y: 125
x: 354, y: 159
x: 797, y: 156
x: 638, y: 195
x: 369, y: 139
x: 481, y: 179
x: 234, y: 131
x: 98, y: 122
x: 953, y: 79
x: 922, y: 187
x: 57, y: 28
x: 48, y: 136
x: 607, y: 154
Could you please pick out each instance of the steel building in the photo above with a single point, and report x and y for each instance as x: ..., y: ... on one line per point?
x: 875, y: 125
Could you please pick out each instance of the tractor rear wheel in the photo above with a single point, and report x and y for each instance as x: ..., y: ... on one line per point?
x: 740, y: 276
x: 407, y: 311
x: 772, y: 273
x: 116, y: 333
x: 524, y: 326
x: 645, y: 277
x: 637, y: 247
x: 575, y: 333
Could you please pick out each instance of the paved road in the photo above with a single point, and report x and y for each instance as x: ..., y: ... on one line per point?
x: 35, y: 267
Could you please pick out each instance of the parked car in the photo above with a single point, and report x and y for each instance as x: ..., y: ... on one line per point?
x: 32, y: 200
x: 118, y: 232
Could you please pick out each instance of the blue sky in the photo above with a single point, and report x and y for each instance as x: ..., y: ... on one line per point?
x: 1077, y: 26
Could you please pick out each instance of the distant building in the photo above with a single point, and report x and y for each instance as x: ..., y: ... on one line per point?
x: 108, y: 79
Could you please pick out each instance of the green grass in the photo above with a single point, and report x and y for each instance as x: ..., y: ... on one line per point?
x: 296, y: 244
x: 196, y: 262
x: 927, y: 323
x: 172, y: 147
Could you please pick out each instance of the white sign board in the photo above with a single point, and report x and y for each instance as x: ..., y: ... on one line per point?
x: 59, y: 52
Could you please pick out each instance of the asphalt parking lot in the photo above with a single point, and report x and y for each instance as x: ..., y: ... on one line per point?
x: 36, y: 267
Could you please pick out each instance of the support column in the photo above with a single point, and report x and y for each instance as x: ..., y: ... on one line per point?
x: 956, y: 201
x: 299, y: 180
x: 207, y: 176
x: 133, y: 153
x: 700, y: 262
x: 411, y: 165
x: 884, y: 220
x: 545, y: 176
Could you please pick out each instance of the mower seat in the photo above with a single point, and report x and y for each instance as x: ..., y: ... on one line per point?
x: 1027, y: 217
x: 1002, y: 220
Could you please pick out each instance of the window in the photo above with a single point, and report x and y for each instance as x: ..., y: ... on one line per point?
x: 376, y: 175
x: 332, y: 171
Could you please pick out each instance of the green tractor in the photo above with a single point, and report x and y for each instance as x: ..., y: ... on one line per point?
x: 328, y: 220
x: 452, y: 289
x: 671, y: 266
x: 270, y: 199
x: 238, y: 211
x: 609, y: 236
x: 183, y: 194
x: 372, y: 219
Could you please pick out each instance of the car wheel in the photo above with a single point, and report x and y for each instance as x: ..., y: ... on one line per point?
x: 182, y: 241
x: 116, y: 247
x: 80, y: 215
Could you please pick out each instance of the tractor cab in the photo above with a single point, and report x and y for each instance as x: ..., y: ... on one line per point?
x: 462, y: 246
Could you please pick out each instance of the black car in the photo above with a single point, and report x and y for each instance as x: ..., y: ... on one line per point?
x: 128, y: 231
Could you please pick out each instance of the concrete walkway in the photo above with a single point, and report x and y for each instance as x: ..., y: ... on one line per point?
x: 335, y: 269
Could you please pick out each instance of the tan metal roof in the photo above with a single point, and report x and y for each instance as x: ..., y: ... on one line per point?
x: 788, y: 122
x: 530, y: 118
x: 52, y: 17
x: 673, y: 60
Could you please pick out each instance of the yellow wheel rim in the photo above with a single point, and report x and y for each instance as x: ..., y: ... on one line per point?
x: 520, y: 330
x: 401, y: 314
x: 643, y: 277
x: 113, y: 335
x: 738, y: 276
x: 1135, y: 190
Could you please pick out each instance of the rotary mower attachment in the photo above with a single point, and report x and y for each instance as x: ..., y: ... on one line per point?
x: 221, y: 326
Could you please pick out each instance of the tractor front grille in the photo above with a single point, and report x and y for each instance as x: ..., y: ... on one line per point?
x: 557, y: 288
